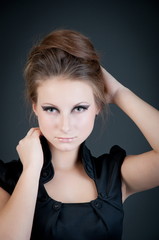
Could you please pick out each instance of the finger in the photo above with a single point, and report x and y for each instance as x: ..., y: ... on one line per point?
x: 19, y: 143
x: 31, y: 131
x: 36, y: 132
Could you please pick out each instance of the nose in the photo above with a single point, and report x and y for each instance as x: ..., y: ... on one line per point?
x: 65, y: 123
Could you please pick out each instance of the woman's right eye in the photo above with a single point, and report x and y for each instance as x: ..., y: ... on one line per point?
x: 49, y: 109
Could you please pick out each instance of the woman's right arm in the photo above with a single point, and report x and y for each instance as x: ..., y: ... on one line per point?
x: 17, y: 210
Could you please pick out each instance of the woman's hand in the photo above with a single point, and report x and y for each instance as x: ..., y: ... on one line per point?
x: 30, y: 150
x: 112, y: 86
x: 21, y: 204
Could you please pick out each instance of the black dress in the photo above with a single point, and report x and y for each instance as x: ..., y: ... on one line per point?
x: 99, y: 219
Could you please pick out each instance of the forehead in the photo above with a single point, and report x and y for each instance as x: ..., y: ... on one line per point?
x: 58, y: 89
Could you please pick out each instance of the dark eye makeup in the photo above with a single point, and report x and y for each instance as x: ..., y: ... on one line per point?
x: 49, y: 108
x: 78, y: 108
x: 81, y: 108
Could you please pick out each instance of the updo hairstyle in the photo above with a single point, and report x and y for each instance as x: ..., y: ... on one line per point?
x: 68, y: 54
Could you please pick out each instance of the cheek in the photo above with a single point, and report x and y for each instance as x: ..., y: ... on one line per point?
x: 87, y: 122
x: 46, y: 122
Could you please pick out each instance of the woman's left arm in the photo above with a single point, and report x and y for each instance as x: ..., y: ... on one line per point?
x: 139, y: 172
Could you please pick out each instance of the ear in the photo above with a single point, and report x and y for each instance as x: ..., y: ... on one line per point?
x: 98, y: 109
x: 34, y: 107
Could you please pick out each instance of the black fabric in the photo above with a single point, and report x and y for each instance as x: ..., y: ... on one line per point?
x: 9, y: 174
x: 99, y: 219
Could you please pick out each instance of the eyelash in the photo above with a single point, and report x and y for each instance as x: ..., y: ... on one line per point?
x: 84, y: 108
x: 49, y: 109
x: 52, y: 109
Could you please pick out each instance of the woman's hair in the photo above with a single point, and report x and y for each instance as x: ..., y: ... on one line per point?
x: 68, y: 54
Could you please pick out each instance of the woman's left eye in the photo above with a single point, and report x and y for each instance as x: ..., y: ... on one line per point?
x: 81, y: 108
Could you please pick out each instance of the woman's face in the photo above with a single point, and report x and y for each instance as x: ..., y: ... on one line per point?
x: 66, y: 112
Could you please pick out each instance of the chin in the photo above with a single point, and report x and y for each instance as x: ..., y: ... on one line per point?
x: 65, y: 147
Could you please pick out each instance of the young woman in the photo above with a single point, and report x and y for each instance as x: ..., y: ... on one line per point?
x: 58, y: 190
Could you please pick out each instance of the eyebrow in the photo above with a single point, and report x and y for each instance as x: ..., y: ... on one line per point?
x: 80, y: 103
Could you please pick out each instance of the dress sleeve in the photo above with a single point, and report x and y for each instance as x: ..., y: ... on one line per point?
x: 117, y: 155
x: 108, y: 173
x: 9, y: 174
x: 115, y: 160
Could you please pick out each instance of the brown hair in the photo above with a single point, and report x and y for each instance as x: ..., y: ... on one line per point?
x: 64, y: 53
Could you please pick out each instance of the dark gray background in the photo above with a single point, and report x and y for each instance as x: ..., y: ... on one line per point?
x: 126, y: 35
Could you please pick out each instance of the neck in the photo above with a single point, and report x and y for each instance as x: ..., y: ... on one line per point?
x: 65, y: 160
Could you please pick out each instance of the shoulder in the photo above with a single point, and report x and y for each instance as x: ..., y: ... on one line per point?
x: 107, y: 171
x: 115, y: 156
x: 9, y: 174
x: 104, y: 165
x: 109, y: 163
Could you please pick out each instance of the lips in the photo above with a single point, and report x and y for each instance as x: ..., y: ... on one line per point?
x: 66, y: 140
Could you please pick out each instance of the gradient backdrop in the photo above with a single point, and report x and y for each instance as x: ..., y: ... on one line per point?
x: 126, y: 35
